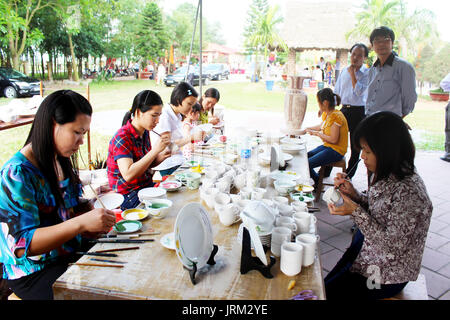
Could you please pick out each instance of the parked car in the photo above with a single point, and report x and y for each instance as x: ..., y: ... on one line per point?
x: 217, y: 71
x: 180, y: 73
x: 14, y: 84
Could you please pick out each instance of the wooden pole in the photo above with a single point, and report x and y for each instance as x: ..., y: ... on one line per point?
x: 41, y: 89
x: 89, y: 134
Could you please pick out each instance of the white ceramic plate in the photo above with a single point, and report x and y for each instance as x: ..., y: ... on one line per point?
x: 168, y: 241
x: 258, y: 248
x: 289, y: 147
x: 193, y: 235
x: 110, y: 200
x: 151, y: 193
x: 287, y: 157
x: 173, y: 161
x: 274, y: 159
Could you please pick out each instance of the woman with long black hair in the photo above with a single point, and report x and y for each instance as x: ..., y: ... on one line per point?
x: 42, y: 216
x: 392, y: 216
x: 130, y: 154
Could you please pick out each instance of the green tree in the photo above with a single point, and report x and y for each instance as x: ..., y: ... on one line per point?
x: 257, y: 9
x: 410, y: 29
x: 424, y: 56
x: 152, y: 37
x: 266, y: 34
x: 372, y: 14
x: 438, y: 66
x: 15, y: 20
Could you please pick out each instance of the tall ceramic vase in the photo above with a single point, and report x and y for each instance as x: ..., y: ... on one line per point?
x: 295, y: 102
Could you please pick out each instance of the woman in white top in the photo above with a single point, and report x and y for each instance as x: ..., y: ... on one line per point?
x: 182, y: 99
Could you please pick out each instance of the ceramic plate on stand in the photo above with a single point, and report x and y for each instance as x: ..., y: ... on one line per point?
x: 274, y: 156
x: 259, y: 250
x: 193, y: 236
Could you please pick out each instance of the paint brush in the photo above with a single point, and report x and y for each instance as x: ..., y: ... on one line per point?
x: 117, y: 249
x: 95, y: 265
x: 346, y: 179
x: 103, y: 260
x: 97, y: 254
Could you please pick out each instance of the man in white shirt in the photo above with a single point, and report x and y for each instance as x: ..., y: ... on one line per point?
x: 351, y: 86
x: 445, y: 85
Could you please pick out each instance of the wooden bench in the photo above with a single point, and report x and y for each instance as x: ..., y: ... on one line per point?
x: 414, y: 290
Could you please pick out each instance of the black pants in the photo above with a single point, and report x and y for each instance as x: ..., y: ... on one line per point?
x: 340, y: 283
x: 38, y: 285
x: 354, y: 116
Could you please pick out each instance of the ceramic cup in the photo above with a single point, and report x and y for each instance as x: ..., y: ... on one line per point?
x: 299, y: 206
x: 223, y: 186
x: 291, y: 258
x: 221, y: 199
x: 280, y: 200
x: 208, y: 183
x: 253, y: 178
x: 285, y: 210
x: 287, y: 222
x: 211, y: 174
x: 192, y: 180
x: 309, y: 242
x: 303, y: 221
x: 235, y: 197
x: 242, y: 203
x: 258, y: 194
x: 246, y: 193
x: 240, y: 180
x: 229, y: 214
x: 280, y: 235
x: 333, y: 196
x: 209, y: 195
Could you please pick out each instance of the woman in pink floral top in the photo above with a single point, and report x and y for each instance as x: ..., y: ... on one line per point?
x: 392, y: 216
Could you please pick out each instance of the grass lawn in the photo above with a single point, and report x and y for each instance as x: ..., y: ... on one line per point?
x: 427, y: 118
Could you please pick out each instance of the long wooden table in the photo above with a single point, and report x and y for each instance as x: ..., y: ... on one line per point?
x: 154, y: 272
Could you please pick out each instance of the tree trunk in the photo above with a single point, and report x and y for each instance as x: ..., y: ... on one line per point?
x: 74, y: 61
x: 49, y: 70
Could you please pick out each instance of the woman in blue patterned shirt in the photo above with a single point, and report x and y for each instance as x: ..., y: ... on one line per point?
x: 41, y: 214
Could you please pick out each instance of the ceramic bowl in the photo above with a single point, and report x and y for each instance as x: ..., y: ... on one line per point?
x: 284, y: 186
x: 158, y: 208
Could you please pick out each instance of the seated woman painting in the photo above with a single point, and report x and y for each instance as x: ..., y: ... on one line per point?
x: 130, y: 154
x: 42, y: 216
x: 333, y: 130
x: 392, y: 216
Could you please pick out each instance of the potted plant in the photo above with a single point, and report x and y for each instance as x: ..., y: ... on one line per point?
x: 439, y: 95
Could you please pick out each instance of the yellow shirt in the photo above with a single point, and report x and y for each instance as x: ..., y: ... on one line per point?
x: 339, y: 119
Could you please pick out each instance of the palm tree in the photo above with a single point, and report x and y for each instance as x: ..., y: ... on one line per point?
x: 411, y: 29
x: 266, y: 34
x: 374, y: 13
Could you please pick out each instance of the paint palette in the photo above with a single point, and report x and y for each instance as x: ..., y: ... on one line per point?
x: 127, y: 226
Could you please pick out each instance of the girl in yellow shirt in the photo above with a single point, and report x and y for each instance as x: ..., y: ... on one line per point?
x: 333, y: 130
